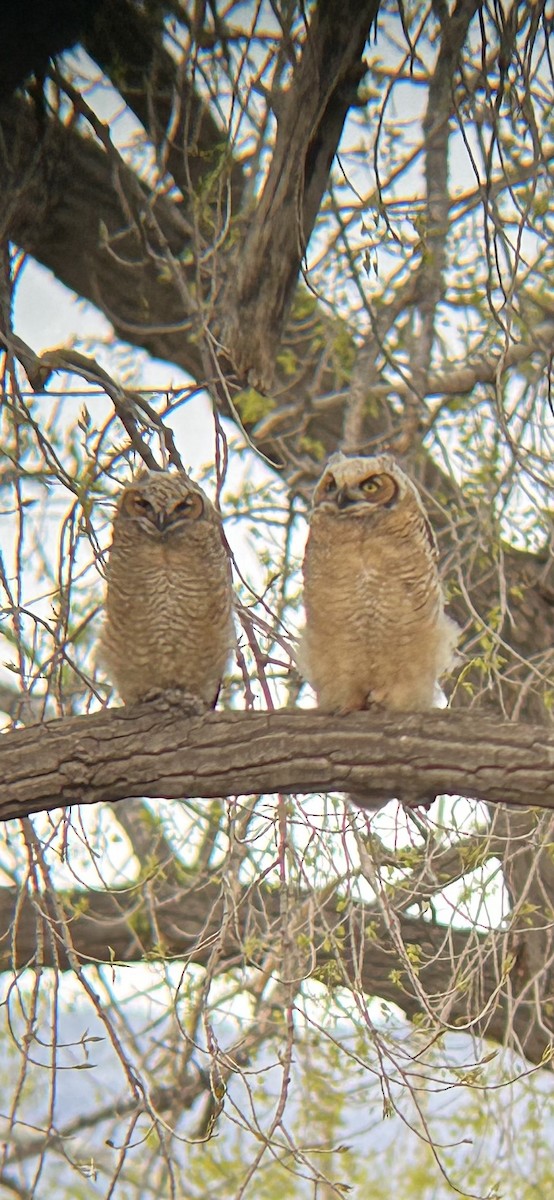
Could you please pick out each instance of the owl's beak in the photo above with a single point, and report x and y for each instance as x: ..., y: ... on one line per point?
x: 344, y: 497
x: 162, y: 520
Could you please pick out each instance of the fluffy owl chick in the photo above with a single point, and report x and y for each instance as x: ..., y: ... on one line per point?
x: 169, y: 599
x: 376, y: 631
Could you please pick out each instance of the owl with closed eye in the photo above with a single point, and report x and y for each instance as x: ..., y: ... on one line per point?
x: 169, y: 601
x: 376, y: 633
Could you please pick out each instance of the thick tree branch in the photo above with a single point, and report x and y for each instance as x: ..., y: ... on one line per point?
x: 154, y: 750
x: 352, y: 947
x: 59, y: 203
x: 68, y: 193
x: 59, y: 212
x: 310, y: 120
x: 430, y: 280
x: 150, y: 83
x: 28, y: 38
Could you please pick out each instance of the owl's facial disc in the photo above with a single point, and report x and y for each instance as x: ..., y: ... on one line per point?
x: 157, y: 520
x: 357, y: 499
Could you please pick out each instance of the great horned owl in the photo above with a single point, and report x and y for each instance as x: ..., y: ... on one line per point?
x: 169, y: 600
x: 376, y: 631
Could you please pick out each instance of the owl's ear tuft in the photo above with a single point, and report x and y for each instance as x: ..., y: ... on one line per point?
x: 325, y: 488
x: 336, y: 458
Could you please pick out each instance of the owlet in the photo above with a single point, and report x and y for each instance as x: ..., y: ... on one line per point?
x: 376, y: 631
x: 169, y: 601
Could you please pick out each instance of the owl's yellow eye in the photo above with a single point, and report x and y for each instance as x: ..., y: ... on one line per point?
x: 371, y: 485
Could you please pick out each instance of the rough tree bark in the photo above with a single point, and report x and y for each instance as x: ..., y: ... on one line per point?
x: 152, y: 750
x: 45, y: 28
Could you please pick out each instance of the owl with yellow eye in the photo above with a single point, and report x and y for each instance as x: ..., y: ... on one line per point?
x: 376, y: 632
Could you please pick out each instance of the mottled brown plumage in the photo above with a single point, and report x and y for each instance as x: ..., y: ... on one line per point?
x: 169, y: 599
x: 376, y: 631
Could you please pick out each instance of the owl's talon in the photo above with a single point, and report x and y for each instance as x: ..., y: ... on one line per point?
x: 176, y: 698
